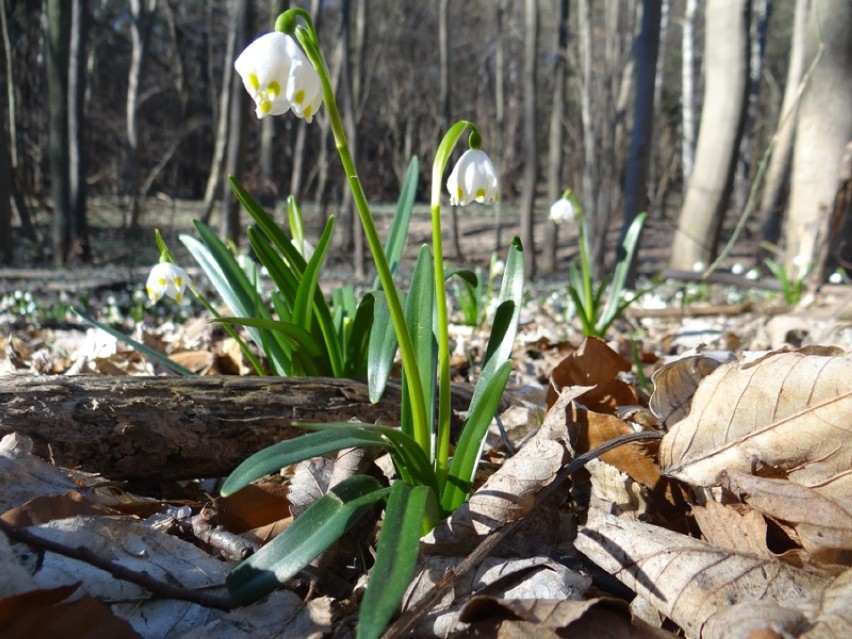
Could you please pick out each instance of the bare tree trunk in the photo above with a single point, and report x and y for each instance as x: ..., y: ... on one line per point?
x: 590, y: 161
x: 214, y: 180
x: 6, y: 252
x: 636, y: 179
x: 499, y: 109
x: 823, y: 134
x: 229, y: 227
x: 687, y: 88
x: 726, y: 60
x: 446, y: 108
x: 268, y: 188
x: 776, y: 183
x: 78, y: 239
x: 530, y: 173
x: 58, y: 35
x: 555, y: 179
x: 141, y: 19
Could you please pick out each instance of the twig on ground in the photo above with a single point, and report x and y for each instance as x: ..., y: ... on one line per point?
x: 158, y: 589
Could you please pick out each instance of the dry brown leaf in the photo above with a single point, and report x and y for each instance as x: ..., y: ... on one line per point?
x: 197, y: 361
x: 733, y: 527
x: 822, y: 525
x: 675, y: 384
x: 690, y: 580
x: 251, y: 507
x: 594, y: 364
x: 41, y: 510
x: 755, y: 620
x: 834, y: 618
x: 786, y: 414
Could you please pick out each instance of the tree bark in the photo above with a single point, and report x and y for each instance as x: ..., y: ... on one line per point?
x: 178, y: 427
x: 823, y: 131
x: 446, y: 109
x: 636, y: 179
x: 778, y: 172
x: 6, y: 252
x: 687, y: 91
x: 58, y: 34
x: 726, y: 60
x: 555, y: 179
x: 77, y: 227
x: 530, y: 173
x: 499, y: 109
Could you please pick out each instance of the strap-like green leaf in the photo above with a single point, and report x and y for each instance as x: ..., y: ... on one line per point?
x: 622, y: 268
x: 275, y: 457
x: 291, y: 330
x: 466, y: 458
x: 315, y: 530
x: 150, y: 353
x: 396, y: 557
x: 398, y: 234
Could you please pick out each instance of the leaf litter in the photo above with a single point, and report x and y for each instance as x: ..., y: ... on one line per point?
x: 737, y: 521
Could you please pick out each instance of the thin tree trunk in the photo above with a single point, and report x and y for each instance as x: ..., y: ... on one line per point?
x: 141, y: 19
x: 444, y: 99
x: 59, y: 31
x: 530, y: 173
x: 590, y: 161
x: 726, y: 60
x: 555, y: 184
x: 636, y: 179
x: 6, y: 252
x: 687, y: 88
x: 499, y: 110
x: 214, y: 179
x: 78, y: 229
x: 821, y: 158
x: 229, y: 227
x: 775, y: 186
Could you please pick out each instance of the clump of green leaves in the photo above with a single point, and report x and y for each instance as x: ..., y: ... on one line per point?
x: 598, y: 305
x: 792, y: 284
x: 475, y: 292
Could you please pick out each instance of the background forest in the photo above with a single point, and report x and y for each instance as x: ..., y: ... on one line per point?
x: 638, y: 105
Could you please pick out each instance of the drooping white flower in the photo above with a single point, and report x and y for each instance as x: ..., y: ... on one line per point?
x: 264, y: 67
x: 753, y: 274
x: 304, y: 89
x: 737, y: 268
x: 167, y: 279
x: 473, y: 178
x: 562, y: 210
x: 699, y: 266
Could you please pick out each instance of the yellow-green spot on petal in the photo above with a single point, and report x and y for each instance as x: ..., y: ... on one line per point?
x: 254, y: 83
x: 308, y: 113
x: 480, y: 193
x: 178, y: 281
x: 161, y: 282
x: 299, y: 97
x: 265, y: 106
x: 273, y: 89
x: 459, y: 193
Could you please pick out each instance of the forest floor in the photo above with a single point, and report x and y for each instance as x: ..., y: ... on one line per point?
x: 739, y: 519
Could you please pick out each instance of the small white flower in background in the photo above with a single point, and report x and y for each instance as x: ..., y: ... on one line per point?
x: 265, y: 67
x: 304, y: 89
x: 473, y: 178
x: 738, y: 269
x: 167, y: 279
x: 801, y: 266
x: 753, y: 274
x: 699, y: 267
x: 836, y: 278
x: 498, y: 268
x: 562, y: 210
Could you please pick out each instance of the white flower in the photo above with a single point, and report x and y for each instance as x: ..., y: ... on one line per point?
x: 562, y: 210
x: 753, y: 274
x: 737, y: 269
x: 473, y: 178
x: 304, y: 89
x: 265, y: 66
x: 699, y: 267
x: 836, y: 278
x: 167, y: 279
x: 498, y: 267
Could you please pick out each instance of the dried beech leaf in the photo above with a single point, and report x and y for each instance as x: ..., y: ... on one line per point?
x: 251, y: 507
x: 748, y: 620
x: 835, y: 612
x: 594, y: 364
x: 615, y: 491
x: 41, y: 510
x: 732, y: 527
x: 675, y: 384
x: 822, y: 525
x: 786, y: 414
x: 689, y: 580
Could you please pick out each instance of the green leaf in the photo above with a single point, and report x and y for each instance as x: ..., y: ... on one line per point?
x: 500, y: 341
x: 483, y: 406
x: 622, y: 269
x: 396, y: 558
x: 398, y: 234
x: 315, y: 530
x: 297, y: 334
x: 310, y: 277
x: 382, y: 348
x: 358, y: 339
x: 297, y: 226
x: 420, y: 319
x: 274, y: 458
x: 150, y: 353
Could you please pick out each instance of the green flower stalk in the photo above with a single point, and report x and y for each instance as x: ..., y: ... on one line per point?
x: 306, y: 35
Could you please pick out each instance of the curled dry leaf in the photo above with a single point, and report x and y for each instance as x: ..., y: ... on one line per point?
x: 594, y: 364
x: 689, y: 580
x: 785, y: 415
x: 834, y: 618
x: 675, y: 383
x: 732, y: 526
x: 822, y: 525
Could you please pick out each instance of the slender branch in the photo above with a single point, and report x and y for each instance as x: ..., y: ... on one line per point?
x: 158, y: 589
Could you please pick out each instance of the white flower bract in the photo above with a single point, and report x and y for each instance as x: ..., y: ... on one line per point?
x: 562, y: 210
x: 473, y: 179
x: 167, y: 279
x: 278, y: 77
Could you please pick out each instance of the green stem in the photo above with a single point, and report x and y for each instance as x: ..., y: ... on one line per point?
x: 586, y: 272
x: 307, y: 38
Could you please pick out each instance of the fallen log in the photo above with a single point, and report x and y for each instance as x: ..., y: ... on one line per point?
x: 178, y: 427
